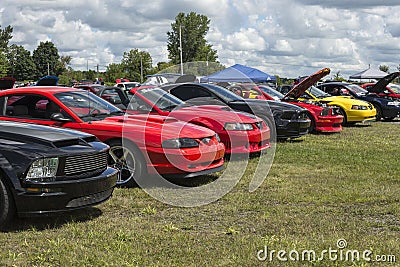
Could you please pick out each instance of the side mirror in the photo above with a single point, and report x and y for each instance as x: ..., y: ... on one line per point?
x: 59, y: 117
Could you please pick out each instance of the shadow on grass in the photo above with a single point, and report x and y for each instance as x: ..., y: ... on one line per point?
x: 290, y: 140
x: 53, y: 221
x: 365, y: 125
x: 194, y: 181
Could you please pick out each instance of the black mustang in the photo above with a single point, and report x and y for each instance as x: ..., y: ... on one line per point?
x: 290, y: 121
x: 46, y: 170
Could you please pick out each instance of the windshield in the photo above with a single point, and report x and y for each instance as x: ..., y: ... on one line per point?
x: 317, y: 92
x: 357, y: 89
x: 223, y: 93
x: 160, y: 98
x: 272, y: 92
x: 87, y: 105
x: 395, y: 88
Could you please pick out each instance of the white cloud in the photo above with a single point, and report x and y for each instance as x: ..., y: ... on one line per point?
x: 286, y: 37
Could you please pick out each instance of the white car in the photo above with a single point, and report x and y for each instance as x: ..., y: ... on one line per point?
x: 127, y: 85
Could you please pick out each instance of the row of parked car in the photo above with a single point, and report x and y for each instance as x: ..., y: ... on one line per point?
x: 107, y: 136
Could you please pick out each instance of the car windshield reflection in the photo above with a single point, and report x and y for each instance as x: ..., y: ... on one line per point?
x: 87, y: 105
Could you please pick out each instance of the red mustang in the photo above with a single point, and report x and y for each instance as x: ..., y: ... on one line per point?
x: 139, y: 144
x: 323, y: 118
x: 240, y: 132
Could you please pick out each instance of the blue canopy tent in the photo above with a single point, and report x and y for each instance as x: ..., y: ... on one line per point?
x: 239, y: 73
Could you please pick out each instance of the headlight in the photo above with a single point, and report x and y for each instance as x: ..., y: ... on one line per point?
x: 43, y: 170
x: 359, y: 107
x: 393, y: 103
x: 234, y: 126
x: 179, y: 143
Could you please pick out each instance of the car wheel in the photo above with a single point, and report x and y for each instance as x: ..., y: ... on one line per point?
x: 7, y: 206
x: 378, y: 113
x: 312, y: 124
x: 128, y: 160
x: 343, y: 113
x: 389, y: 118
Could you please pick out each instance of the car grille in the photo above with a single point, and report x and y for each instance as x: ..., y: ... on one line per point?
x: 288, y: 115
x: 85, y: 164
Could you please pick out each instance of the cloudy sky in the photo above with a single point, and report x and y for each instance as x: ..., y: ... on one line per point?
x: 288, y: 38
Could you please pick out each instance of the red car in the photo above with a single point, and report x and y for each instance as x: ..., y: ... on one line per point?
x: 240, y: 132
x: 139, y: 144
x: 384, y: 87
x: 323, y: 118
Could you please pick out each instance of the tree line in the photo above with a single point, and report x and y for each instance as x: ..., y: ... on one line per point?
x: 187, y: 34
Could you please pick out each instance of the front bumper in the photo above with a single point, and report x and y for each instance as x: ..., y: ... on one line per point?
x: 292, y: 128
x: 244, y: 142
x: 59, y: 196
x: 329, y: 124
x: 194, y: 160
x: 360, y: 115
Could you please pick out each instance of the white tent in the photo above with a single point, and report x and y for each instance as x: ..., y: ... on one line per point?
x: 369, y: 74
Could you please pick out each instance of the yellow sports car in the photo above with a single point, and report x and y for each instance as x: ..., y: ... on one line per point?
x: 353, y: 110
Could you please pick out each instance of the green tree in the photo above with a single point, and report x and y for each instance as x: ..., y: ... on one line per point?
x: 190, y: 30
x: 21, y: 65
x: 338, y: 77
x: 47, y: 60
x: 5, y: 36
x: 384, y: 68
x: 114, y: 71
x: 136, y: 63
x: 3, y: 64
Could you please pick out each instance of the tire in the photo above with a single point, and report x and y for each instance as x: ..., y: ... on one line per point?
x: 389, y: 118
x: 378, y: 113
x: 343, y: 113
x: 7, y: 207
x: 128, y: 159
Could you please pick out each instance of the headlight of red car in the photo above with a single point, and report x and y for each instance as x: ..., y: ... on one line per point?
x: 234, y: 126
x: 180, y: 143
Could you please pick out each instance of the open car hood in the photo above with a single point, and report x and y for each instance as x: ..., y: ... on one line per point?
x: 301, y: 87
x: 47, y: 81
x: 380, y: 86
x: 6, y: 83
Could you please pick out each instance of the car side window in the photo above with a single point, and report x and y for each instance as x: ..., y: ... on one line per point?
x: 138, y: 104
x: 32, y: 106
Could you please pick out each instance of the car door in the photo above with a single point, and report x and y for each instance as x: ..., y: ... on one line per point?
x: 34, y: 108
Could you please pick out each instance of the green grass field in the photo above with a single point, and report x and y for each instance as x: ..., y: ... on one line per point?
x: 321, y: 188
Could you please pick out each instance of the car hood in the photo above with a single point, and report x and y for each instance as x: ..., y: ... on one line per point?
x: 6, y: 83
x: 380, y: 86
x: 43, y: 135
x: 152, y: 125
x: 349, y: 100
x: 301, y: 87
x: 218, y: 113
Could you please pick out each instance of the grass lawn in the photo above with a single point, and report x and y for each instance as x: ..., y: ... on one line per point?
x: 321, y: 188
